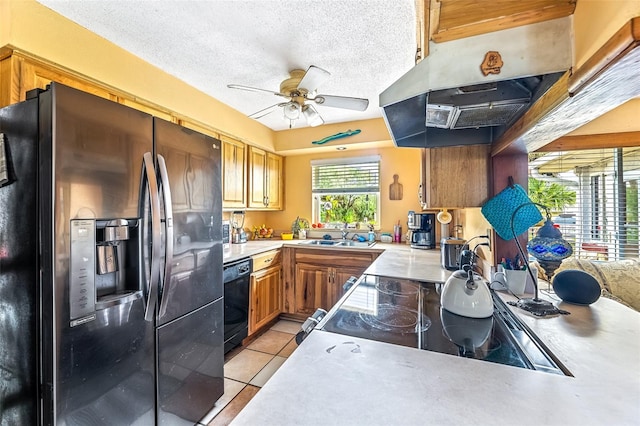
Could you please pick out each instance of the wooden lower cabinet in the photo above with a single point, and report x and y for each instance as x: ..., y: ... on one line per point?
x: 265, y: 296
x: 316, y: 277
x: 320, y: 286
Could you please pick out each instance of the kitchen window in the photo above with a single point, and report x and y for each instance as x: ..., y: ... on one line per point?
x: 346, y: 190
x: 602, y: 220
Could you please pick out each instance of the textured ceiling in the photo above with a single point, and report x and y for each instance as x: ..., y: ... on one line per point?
x: 365, y: 44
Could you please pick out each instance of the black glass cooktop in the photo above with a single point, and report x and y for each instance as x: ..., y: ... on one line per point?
x: 408, y: 313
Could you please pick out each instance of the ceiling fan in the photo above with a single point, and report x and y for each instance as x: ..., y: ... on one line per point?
x: 300, y: 91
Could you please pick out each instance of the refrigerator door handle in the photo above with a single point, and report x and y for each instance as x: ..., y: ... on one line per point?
x: 168, y: 215
x: 156, y: 247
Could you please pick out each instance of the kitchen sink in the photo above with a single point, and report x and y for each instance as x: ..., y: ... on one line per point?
x: 351, y: 243
x: 339, y: 243
x: 329, y: 243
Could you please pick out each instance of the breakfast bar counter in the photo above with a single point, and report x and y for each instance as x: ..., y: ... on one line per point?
x: 340, y: 380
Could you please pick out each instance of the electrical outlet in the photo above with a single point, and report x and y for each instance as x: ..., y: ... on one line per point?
x: 489, y: 237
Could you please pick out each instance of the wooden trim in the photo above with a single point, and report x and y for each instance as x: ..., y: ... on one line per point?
x: 557, y: 113
x: 118, y: 95
x: 422, y: 29
x: 6, y: 51
x: 599, y: 141
x: 624, y: 40
x: 460, y: 19
x: 434, y: 17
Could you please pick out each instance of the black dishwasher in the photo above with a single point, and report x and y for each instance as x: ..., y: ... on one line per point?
x: 236, y: 302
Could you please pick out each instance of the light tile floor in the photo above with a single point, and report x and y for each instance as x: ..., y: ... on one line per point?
x: 248, y: 368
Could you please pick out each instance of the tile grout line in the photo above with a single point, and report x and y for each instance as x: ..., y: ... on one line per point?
x: 273, y: 356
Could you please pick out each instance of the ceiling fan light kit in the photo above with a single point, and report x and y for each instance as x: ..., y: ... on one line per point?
x: 291, y: 111
x: 313, y: 118
x: 300, y: 89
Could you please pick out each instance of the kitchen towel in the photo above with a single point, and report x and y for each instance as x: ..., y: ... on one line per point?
x: 500, y: 210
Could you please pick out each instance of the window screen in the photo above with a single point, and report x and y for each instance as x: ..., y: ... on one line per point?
x: 355, y: 176
x: 346, y: 190
x: 593, y: 196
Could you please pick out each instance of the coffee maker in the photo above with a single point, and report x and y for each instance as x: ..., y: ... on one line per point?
x: 422, y: 230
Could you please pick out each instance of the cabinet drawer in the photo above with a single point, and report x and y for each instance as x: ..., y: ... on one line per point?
x: 335, y: 258
x: 266, y: 259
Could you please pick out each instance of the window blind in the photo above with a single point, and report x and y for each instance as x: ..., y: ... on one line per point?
x: 602, y: 221
x: 356, y: 176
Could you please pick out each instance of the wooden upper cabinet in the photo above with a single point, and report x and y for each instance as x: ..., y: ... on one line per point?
x: 448, y: 20
x: 234, y: 174
x: 265, y: 180
x: 20, y: 74
x: 455, y: 177
x: 274, y: 181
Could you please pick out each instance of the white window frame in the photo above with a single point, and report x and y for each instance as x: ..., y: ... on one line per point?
x: 347, y: 162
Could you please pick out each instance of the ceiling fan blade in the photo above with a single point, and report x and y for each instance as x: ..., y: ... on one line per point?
x: 255, y: 89
x: 265, y: 111
x: 357, y: 104
x: 313, y: 78
x: 313, y: 118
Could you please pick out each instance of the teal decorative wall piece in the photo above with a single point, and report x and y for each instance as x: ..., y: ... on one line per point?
x: 337, y: 136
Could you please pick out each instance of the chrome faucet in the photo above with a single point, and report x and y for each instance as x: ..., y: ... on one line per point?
x: 345, y: 231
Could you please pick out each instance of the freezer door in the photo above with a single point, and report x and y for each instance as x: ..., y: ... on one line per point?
x: 19, y: 266
x: 190, y: 365
x: 189, y: 167
x: 97, y: 349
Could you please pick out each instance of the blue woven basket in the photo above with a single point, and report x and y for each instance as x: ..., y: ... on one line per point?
x: 500, y: 209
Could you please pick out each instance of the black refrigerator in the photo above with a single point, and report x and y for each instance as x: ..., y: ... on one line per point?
x: 111, y: 296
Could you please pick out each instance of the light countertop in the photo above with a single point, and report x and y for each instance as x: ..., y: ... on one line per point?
x: 252, y: 247
x: 340, y: 380
x: 238, y: 251
x: 402, y: 261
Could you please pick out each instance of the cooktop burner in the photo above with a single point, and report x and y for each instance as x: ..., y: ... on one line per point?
x: 396, y: 319
x: 408, y: 313
x: 397, y: 288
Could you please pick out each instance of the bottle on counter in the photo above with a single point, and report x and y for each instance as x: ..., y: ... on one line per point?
x: 397, y: 233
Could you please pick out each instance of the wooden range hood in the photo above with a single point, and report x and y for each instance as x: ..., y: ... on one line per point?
x: 608, y: 79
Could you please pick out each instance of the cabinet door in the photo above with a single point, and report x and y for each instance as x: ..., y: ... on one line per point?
x: 468, y: 164
x: 257, y: 178
x: 265, y: 297
x: 311, y: 289
x: 274, y: 181
x: 265, y: 180
x: 340, y: 276
x: 234, y: 174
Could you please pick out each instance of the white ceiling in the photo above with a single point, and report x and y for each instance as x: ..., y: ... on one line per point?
x: 365, y: 44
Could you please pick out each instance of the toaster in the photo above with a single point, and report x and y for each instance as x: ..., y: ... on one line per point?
x: 450, y: 249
